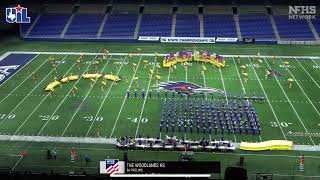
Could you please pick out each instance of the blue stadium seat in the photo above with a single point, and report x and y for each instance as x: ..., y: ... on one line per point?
x: 256, y: 26
x: 85, y: 24
x: 118, y: 25
x: 50, y: 25
x: 26, y: 26
x: 187, y: 25
x: 316, y: 24
x: 293, y: 29
x: 155, y: 25
x: 219, y: 26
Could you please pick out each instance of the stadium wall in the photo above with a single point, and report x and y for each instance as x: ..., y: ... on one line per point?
x: 129, y: 40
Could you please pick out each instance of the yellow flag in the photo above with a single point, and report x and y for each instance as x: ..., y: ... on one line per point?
x: 139, y: 49
x: 286, y: 62
x: 136, y: 78
x: 157, y: 77
x: 174, y: 67
x: 243, y: 66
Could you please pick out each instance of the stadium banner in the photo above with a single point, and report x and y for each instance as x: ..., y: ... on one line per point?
x: 149, y: 38
x: 12, y: 64
x: 248, y: 40
x: 222, y: 39
x: 187, y: 40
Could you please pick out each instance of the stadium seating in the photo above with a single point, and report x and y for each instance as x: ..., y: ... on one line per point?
x: 293, y: 29
x: 120, y: 25
x: 50, y: 25
x: 219, y: 26
x: 256, y: 26
x: 85, y: 24
x: 316, y: 24
x: 155, y: 25
x: 187, y: 25
x: 25, y: 26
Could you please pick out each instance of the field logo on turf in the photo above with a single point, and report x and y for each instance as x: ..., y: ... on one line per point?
x: 111, y: 166
x: 187, y: 88
x: 17, y: 15
x: 6, y: 71
x: 302, y: 12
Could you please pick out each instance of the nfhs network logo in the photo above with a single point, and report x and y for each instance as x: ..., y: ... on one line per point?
x: 17, y: 15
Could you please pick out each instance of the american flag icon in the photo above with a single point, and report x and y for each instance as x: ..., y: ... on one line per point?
x: 112, y: 166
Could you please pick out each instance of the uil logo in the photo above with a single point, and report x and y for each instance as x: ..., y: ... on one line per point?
x: 17, y: 15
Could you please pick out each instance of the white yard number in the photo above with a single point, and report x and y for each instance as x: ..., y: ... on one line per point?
x: 316, y: 67
x: 91, y: 118
x: 281, y: 65
x: 282, y: 124
x: 60, y: 62
x: 135, y: 120
x: 8, y: 116
x: 48, y: 117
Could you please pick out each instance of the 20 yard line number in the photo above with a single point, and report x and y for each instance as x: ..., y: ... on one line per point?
x: 48, y: 117
x: 135, y: 120
x: 282, y: 124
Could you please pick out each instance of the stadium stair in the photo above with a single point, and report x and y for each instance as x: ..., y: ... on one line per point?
x: 67, y: 26
x: 173, y: 27
x: 136, y: 31
x: 105, y: 18
x: 274, y: 27
x: 236, y: 20
x: 201, y: 25
x: 33, y: 24
x: 313, y: 30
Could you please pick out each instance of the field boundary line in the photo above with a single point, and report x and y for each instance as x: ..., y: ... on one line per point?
x: 145, y: 99
x: 148, y: 54
x: 243, y: 88
x: 125, y: 98
x: 38, y: 84
x: 225, y: 95
x: 100, y: 107
x: 294, y: 109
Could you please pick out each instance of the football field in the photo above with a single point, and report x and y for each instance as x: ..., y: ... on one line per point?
x: 98, y: 113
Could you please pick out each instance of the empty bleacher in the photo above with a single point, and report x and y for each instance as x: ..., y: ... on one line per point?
x: 219, y: 26
x: 155, y: 25
x: 120, y: 25
x: 293, y: 29
x: 316, y: 24
x: 256, y: 26
x: 50, y: 24
x: 187, y: 25
x: 85, y: 25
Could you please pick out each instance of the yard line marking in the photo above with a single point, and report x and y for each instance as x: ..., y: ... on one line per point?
x: 145, y: 99
x: 35, y: 109
x: 307, y: 73
x: 21, y: 69
x: 64, y: 98
x: 24, y: 79
x: 29, y: 93
x: 314, y: 62
x: 243, y: 88
x: 94, y: 119
x: 125, y: 98
x: 76, y: 112
x: 303, y: 90
x: 273, y: 112
x: 290, y: 104
x: 15, y: 165
x: 225, y: 95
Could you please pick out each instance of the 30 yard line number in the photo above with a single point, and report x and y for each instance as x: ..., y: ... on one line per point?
x: 282, y: 124
x: 91, y: 118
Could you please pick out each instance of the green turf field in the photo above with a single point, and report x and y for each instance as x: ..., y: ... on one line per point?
x: 26, y: 109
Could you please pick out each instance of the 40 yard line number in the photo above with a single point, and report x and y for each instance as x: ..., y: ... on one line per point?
x: 135, y: 120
